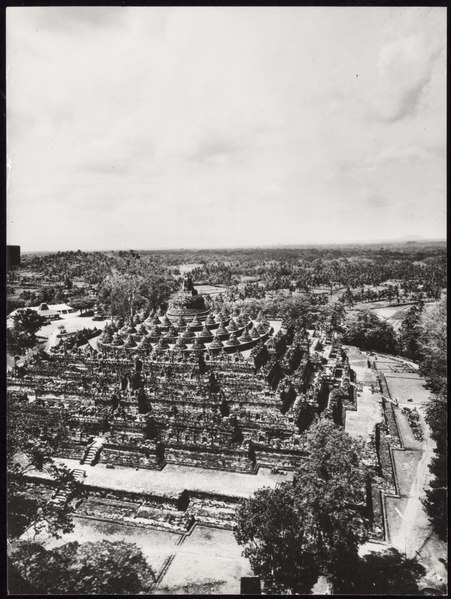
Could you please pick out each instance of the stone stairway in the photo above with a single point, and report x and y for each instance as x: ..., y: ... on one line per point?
x: 92, y: 453
x: 79, y: 474
x: 62, y: 495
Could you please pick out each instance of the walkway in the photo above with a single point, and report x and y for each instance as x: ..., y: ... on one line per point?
x: 174, y: 479
x: 361, y: 423
x: 408, y: 526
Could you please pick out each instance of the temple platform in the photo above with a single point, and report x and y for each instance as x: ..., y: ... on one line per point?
x: 175, y: 479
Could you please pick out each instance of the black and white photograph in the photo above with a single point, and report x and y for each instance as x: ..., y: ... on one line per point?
x: 226, y: 300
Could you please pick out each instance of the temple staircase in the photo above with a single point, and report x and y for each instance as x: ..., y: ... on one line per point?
x: 79, y: 474
x: 91, y: 456
x: 62, y: 495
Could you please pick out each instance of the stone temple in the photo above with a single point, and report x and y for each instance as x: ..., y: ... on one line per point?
x: 188, y: 325
x: 170, y: 425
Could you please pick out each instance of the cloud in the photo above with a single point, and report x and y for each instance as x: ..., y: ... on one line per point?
x: 75, y: 19
x: 410, y: 153
x: 371, y: 199
x: 413, y: 44
x: 215, y: 149
x: 183, y: 126
x: 406, y: 70
x: 394, y: 156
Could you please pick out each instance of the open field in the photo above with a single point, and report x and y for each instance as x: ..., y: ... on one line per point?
x: 406, y: 462
x: 185, y: 268
x: 72, y: 323
x: 407, y: 387
x: 389, y: 312
x: 393, y: 314
x: 210, y: 289
x: 208, y: 561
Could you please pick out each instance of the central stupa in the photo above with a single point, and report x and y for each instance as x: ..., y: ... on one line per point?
x: 188, y: 325
x: 187, y: 303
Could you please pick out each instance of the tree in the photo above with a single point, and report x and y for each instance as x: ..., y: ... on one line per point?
x: 331, y: 317
x: 22, y: 335
x: 297, y: 309
x: 28, y: 510
x: 387, y: 573
x: 31, y: 443
x: 409, y: 336
x: 314, y: 525
x: 433, y: 342
x: 270, y: 528
x: 436, y: 501
x: 366, y: 330
x: 101, y: 568
x: 331, y: 491
x: 141, y: 286
x: 437, y: 418
x: 436, y: 506
x: 434, y: 367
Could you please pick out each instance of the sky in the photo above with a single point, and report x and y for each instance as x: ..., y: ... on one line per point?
x: 182, y: 127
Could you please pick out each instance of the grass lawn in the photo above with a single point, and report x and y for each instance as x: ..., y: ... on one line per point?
x: 405, y: 387
x: 210, y: 289
x: 406, y: 463
x: 394, y: 509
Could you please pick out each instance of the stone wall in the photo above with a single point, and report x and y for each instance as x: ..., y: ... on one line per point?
x: 217, y: 460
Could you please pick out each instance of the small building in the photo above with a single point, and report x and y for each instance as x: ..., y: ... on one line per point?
x: 49, y: 312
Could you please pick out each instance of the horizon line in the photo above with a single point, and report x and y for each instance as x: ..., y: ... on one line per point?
x: 247, y: 247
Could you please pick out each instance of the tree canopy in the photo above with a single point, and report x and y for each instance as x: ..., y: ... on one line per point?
x: 100, y: 568
x: 366, y: 330
x: 409, y: 335
x: 270, y: 526
x: 433, y: 366
x: 22, y: 334
x: 436, y: 501
x: 330, y: 490
x: 434, y: 346
x: 31, y: 443
x: 144, y: 288
x: 386, y: 573
x: 315, y: 524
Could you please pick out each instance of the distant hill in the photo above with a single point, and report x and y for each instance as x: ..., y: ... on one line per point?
x: 406, y: 239
x: 412, y: 238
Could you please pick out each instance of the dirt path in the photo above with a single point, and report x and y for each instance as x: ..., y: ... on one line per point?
x: 415, y: 526
x: 415, y: 537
